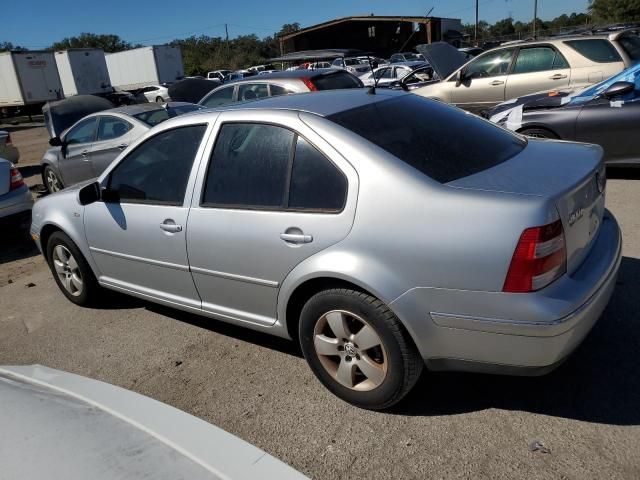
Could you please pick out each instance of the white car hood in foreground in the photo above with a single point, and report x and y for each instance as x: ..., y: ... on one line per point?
x: 60, y: 425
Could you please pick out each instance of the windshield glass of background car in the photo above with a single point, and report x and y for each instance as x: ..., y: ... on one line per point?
x: 442, y: 142
x: 631, y: 45
x: 153, y: 117
x: 335, y: 81
x: 490, y: 65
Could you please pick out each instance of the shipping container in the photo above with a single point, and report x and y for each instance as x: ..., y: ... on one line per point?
x: 28, y: 78
x: 83, y: 71
x: 144, y: 66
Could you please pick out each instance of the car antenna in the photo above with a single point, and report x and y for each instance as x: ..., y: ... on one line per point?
x: 372, y: 90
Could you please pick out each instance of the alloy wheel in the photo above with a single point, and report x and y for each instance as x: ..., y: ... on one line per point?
x: 67, y: 270
x: 53, y: 183
x: 350, y: 350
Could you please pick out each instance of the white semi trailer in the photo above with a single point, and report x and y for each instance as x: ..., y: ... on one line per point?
x: 144, y: 66
x: 28, y: 78
x: 83, y: 71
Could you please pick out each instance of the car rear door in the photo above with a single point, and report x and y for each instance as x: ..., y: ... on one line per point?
x: 75, y: 164
x: 138, y: 238
x: 114, y: 135
x: 537, y: 68
x: 273, y: 194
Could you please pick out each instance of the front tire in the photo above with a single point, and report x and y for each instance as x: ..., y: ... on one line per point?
x: 71, y: 271
x: 357, y: 347
x: 539, y: 133
x: 51, y: 180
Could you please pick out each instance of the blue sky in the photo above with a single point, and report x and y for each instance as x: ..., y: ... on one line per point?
x: 38, y: 23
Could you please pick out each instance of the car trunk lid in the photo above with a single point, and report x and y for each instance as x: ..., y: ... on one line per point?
x: 566, y: 173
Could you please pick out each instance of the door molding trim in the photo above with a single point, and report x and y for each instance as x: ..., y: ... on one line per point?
x: 233, y: 276
x: 159, y: 263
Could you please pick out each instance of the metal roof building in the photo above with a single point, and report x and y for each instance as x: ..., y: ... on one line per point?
x: 382, y: 35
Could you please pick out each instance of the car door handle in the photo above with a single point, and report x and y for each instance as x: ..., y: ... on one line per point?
x: 557, y: 76
x: 495, y: 83
x: 296, y: 238
x: 122, y: 146
x: 84, y: 154
x: 170, y: 226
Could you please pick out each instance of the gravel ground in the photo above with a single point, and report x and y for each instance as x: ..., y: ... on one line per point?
x: 586, y: 413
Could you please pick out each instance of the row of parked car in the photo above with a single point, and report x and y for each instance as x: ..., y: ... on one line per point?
x: 245, y: 211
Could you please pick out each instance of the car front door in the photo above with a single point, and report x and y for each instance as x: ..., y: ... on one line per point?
x: 483, y: 82
x: 137, y: 234
x: 272, y: 196
x: 75, y: 165
x: 612, y: 124
x: 114, y: 135
x: 536, y: 69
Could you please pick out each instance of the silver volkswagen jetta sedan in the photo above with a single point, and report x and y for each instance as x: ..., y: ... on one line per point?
x: 382, y: 231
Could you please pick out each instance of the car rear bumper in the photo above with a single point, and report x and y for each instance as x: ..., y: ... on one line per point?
x: 15, y: 203
x: 505, y: 332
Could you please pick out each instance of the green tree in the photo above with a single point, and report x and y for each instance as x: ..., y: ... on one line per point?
x: 615, y: 10
x: 108, y: 43
x: 8, y: 47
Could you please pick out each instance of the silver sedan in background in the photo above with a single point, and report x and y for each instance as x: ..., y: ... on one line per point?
x: 471, y: 248
x: 388, y: 74
x: 85, y: 149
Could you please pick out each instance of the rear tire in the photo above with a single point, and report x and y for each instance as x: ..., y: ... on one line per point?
x: 71, y: 271
x: 51, y: 180
x: 539, y: 133
x: 357, y: 347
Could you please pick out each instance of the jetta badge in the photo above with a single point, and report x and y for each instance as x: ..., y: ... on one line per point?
x: 575, y: 216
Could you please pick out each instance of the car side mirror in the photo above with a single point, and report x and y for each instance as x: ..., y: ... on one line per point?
x: 460, y: 77
x: 110, y: 195
x: 89, y: 193
x: 55, y: 142
x: 619, y: 89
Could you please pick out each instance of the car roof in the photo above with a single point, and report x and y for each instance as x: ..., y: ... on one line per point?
x: 323, y: 103
x: 136, y: 109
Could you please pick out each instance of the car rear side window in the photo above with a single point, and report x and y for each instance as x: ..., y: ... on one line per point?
x: 277, y: 90
x: 596, y: 50
x: 252, y: 91
x: 158, y: 170
x: 112, y: 127
x: 249, y: 166
x: 538, y: 59
x: 316, y: 183
x: 631, y: 45
x: 440, y: 141
x: 336, y: 80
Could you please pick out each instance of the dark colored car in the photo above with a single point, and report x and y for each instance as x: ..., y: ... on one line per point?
x: 607, y: 114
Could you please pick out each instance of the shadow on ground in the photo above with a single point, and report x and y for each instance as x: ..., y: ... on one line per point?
x: 598, y: 383
x: 16, y: 244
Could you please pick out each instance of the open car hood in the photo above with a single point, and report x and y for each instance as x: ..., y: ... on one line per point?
x: 61, y: 114
x: 444, y: 58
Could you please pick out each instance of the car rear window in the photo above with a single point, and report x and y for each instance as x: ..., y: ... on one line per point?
x: 631, y: 45
x: 596, y: 50
x: 153, y: 117
x: 440, y: 141
x: 336, y: 80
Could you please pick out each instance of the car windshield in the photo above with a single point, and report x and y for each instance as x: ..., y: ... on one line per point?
x: 457, y: 145
x: 631, y: 74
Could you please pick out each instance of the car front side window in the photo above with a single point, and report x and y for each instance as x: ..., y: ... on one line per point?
x: 492, y: 64
x: 158, y: 170
x: 84, y: 132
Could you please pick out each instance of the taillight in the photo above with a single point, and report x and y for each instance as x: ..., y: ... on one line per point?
x: 539, y: 259
x: 16, y: 179
x: 310, y: 85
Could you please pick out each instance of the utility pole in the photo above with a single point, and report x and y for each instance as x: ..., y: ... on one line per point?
x: 226, y: 35
x: 476, y: 30
x: 535, y: 17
